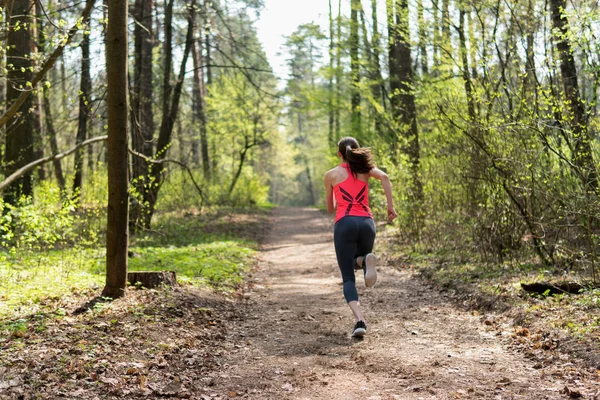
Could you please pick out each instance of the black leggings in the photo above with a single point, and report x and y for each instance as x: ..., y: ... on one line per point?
x: 353, y: 237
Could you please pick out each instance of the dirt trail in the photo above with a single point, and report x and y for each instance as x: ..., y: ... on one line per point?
x: 294, y: 341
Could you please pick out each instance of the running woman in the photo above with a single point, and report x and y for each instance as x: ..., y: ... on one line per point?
x: 347, y: 194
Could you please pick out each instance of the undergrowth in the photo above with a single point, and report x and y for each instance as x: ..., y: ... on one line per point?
x: 213, y: 249
x: 496, y: 287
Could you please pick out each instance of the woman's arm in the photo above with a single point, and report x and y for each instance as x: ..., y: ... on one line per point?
x: 329, y: 193
x: 387, y: 188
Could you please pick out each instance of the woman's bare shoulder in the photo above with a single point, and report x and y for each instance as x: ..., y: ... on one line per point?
x: 333, y: 171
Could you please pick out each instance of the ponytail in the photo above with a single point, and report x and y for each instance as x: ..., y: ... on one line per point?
x: 360, y: 160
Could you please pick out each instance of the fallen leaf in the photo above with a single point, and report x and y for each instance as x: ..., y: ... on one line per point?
x: 143, y: 380
x: 520, y: 331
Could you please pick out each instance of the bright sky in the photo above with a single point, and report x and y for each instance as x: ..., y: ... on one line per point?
x: 281, y: 18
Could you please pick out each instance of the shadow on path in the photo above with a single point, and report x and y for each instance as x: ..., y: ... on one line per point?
x: 294, y: 341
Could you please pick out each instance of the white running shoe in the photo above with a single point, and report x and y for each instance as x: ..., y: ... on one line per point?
x: 360, y: 329
x: 370, y: 263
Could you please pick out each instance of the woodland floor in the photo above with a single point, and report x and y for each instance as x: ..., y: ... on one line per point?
x: 287, y: 336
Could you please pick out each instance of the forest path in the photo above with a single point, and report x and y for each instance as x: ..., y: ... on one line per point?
x: 294, y: 338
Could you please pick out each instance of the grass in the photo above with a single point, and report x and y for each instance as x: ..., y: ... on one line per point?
x: 221, y: 262
x: 29, y: 279
x: 212, y: 249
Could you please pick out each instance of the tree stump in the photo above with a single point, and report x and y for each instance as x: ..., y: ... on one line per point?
x: 152, y: 279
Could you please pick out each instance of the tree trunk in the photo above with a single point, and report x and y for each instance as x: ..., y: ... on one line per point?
x: 376, y: 45
x: 58, y: 171
x: 393, y: 70
x: 529, y: 91
x: 238, y: 172
x: 143, y: 116
x: 85, y: 91
x: 422, y: 39
x: 63, y: 82
x: 167, y: 86
x: 19, y: 130
x: 90, y: 148
x: 472, y: 48
x: 171, y: 104
x: 199, y: 106
x: 196, y: 97
x: 446, y: 42
x: 436, y: 37
x: 338, y: 72
x: 331, y: 139
x: 117, y: 232
x: 575, y: 109
x: 465, y: 68
x: 355, y: 71
x: 402, y: 99
x: 37, y: 110
x: 207, y: 43
x: 374, y: 78
x: 477, y: 164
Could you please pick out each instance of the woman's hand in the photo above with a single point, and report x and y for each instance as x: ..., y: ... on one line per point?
x: 391, y: 214
x: 387, y: 188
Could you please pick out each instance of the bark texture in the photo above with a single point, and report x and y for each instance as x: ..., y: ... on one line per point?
x: 152, y: 279
x: 171, y: 97
x: 117, y: 229
x: 574, y: 107
x: 355, y: 70
x: 85, y: 90
x: 143, y: 116
x: 19, y: 130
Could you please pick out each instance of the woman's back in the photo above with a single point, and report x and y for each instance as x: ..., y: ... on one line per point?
x: 341, y: 173
x: 351, y: 193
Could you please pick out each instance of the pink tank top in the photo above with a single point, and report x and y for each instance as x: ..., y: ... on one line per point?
x: 352, y: 197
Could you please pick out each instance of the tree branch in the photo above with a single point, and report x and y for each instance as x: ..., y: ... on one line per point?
x: 23, y: 170
x: 47, y: 66
x: 182, y: 165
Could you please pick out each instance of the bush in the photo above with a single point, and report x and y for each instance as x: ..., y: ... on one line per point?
x: 38, y: 225
x: 179, y: 192
x: 49, y: 220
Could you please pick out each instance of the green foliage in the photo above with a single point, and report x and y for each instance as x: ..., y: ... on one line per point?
x: 219, y: 263
x: 180, y: 194
x: 43, y: 224
x: 49, y: 221
x: 16, y: 328
x: 203, y: 250
x: 29, y: 278
x: 305, y: 141
x: 95, y: 191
